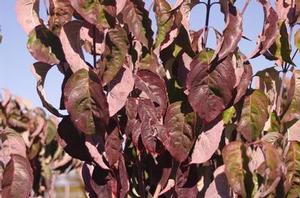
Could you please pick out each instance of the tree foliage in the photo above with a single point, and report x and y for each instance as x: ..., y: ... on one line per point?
x: 165, y: 115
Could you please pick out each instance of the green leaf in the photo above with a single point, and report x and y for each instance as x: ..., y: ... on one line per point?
x: 254, y: 115
x: 233, y: 156
x: 164, y: 20
x: 292, y: 183
x: 50, y: 131
x: 293, y: 111
x: 85, y: 102
x: 228, y: 114
x: 44, y: 46
x: 115, y: 54
x: 281, y: 48
x: 95, y: 13
x: 297, y: 39
x: 137, y: 18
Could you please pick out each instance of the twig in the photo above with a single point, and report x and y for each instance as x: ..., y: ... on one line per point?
x: 245, y: 6
x: 157, y: 191
x: 208, y: 6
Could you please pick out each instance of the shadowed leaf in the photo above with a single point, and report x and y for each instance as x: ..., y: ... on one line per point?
x: 45, y: 46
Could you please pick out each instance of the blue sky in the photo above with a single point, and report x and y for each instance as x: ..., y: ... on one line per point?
x: 15, y: 60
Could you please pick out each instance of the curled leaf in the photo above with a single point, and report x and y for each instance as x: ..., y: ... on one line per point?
x: 40, y: 71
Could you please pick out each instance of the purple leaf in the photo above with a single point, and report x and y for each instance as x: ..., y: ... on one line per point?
x: 137, y: 18
x: 207, y: 143
x: 86, y: 102
x: 72, y: 140
x: 232, y: 33
x: 121, y: 87
x: 154, y: 87
x: 179, y: 134
x: 210, y: 92
x: 12, y: 143
x: 113, y: 144
x: 219, y: 187
x: 244, y: 79
x: 28, y: 14
x: 269, y: 32
x: 17, y: 178
x: 70, y: 39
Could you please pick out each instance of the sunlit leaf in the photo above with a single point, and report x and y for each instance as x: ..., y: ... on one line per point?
x: 28, y: 14
x: 270, y: 30
x: 207, y: 143
x: 137, y: 18
x: 164, y: 20
x: 293, y: 170
x: 254, y: 115
x: 122, y: 85
x: 179, y: 134
x: 233, y: 156
x: 210, y: 91
x: 86, y: 102
x: 115, y: 55
x: 70, y: 40
x: 293, y: 111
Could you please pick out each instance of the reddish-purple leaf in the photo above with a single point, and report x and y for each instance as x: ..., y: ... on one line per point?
x: 269, y: 32
x: 186, y: 182
x: 137, y: 18
x: 28, y: 14
x: 89, y: 34
x: 219, y: 187
x: 154, y: 87
x: 70, y: 39
x: 86, y: 102
x: 121, y: 87
x: 232, y: 33
x: 244, y: 79
x: 178, y: 136
x: 113, y: 145
x: 17, y: 178
x: 210, y: 92
x: 131, y: 108
x: 123, y: 178
x: 12, y: 143
x: 149, y: 130
x: 207, y: 143
x: 40, y: 71
x: 72, y: 140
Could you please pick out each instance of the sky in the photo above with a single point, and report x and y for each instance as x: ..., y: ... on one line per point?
x: 16, y: 61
